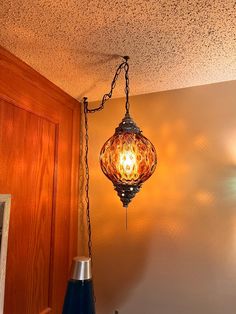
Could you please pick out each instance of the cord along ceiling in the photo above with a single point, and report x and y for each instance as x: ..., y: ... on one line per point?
x: 75, y: 43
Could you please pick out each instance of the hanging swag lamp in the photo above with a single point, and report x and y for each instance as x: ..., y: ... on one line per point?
x: 127, y: 158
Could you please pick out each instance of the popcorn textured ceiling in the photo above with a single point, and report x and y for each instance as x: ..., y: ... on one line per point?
x: 75, y: 43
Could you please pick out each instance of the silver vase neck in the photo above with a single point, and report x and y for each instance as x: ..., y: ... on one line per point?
x: 81, y: 268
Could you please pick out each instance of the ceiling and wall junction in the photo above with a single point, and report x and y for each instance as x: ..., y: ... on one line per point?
x: 172, y: 44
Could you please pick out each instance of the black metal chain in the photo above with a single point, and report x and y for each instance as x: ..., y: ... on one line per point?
x: 127, y: 105
x: 89, y: 228
x: 124, y: 65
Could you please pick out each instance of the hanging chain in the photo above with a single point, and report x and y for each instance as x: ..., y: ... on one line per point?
x: 87, y: 179
x: 124, y: 65
x: 127, y: 105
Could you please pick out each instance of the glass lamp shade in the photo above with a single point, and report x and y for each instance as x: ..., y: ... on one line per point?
x: 128, y: 159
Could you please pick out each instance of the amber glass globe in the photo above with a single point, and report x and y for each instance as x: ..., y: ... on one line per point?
x: 128, y: 159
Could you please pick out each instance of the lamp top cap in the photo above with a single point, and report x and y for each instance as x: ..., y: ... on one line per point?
x: 127, y: 125
x: 81, y: 259
x: 81, y: 268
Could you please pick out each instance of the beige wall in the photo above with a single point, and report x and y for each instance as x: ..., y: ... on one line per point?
x: 179, y: 253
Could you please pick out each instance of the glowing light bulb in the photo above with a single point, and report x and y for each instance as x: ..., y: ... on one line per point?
x: 127, y: 163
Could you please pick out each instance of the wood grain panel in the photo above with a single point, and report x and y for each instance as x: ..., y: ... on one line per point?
x: 47, y: 120
x: 27, y: 171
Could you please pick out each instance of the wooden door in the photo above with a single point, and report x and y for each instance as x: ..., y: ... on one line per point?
x: 38, y: 167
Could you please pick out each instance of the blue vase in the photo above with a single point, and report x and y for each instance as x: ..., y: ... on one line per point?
x: 79, y: 297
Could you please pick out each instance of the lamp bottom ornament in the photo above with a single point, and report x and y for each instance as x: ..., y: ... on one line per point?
x: 126, y: 192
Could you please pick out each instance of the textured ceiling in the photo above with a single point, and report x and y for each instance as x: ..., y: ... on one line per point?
x: 75, y: 43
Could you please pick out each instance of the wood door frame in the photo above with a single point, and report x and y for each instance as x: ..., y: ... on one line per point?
x: 34, y: 93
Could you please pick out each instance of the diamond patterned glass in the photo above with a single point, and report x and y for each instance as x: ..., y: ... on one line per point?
x: 128, y: 158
